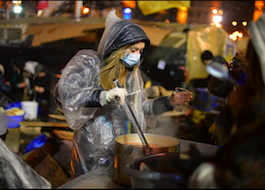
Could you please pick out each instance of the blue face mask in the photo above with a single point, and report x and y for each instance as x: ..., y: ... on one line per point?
x: 131, y: 60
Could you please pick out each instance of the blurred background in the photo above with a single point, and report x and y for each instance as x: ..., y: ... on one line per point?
x: 169, y: 56
x: 51, y: 32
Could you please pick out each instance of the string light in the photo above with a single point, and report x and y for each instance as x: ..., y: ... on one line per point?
x: 244, y: 23
x: 234, y: 23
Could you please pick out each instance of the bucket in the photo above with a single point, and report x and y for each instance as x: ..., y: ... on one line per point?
x: 13, y: 120
x: 31, y: 109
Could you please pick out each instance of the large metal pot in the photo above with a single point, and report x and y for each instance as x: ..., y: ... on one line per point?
x: 129, y: 147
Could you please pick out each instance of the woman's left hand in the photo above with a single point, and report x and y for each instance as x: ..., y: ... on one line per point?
x: 180, y: 98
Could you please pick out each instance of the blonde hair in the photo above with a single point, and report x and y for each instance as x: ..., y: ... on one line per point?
x: 113, y: 69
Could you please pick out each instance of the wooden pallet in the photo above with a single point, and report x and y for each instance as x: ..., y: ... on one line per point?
x: 50, y: 169
x: 44, y: 124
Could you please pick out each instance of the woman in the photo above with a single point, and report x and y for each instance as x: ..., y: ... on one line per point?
x: 85, y: 94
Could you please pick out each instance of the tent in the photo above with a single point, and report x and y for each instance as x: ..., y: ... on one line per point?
x: 169, y: 43
x: 180, y: 52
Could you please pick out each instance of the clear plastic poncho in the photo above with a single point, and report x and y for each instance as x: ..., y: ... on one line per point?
x: 95, y: 128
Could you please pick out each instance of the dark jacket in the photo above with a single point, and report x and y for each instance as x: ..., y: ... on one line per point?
x: 222, y: 88
x: 16, y: 93
x: 4, y: 88
x: 44, y: 82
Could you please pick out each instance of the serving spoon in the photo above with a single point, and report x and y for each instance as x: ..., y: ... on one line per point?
x: 132, y: 118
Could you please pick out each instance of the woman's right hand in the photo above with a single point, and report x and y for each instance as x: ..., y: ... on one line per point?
x: 116, y: 92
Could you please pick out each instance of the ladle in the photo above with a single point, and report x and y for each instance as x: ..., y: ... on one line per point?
x: 132, y: 117
x: 217, y: 70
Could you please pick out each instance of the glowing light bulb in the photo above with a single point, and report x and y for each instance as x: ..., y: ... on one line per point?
x: 234, y: 23
x: 214, y: 11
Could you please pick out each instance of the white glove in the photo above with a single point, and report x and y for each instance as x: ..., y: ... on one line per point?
x: 107, y: 96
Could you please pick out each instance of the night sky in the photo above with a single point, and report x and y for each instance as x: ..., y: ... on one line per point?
x: 239, y: 11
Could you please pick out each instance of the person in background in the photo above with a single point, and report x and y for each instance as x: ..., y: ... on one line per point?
x: 204, y: 101
x: 4, y: 86
x: 222, y: 87
x: 16, y: 80
x: 92, y: 104
x: 242, y: 169
x: 239, y: 163
x: 245, y: 165
x: 40, y: 85
x: 206, y: 58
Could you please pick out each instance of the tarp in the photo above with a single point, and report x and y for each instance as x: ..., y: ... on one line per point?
x: 151, y: 7
x: 208, y: 38
x: 58, y: 31
x: 200, y: 38
x: 44, y: 33
x: 156, y: 35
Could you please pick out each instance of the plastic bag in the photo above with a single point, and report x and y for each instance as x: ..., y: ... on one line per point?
x: 17, y: 174
x: 38, y: 142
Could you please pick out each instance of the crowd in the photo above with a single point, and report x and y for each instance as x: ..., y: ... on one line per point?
x: 17, y: 86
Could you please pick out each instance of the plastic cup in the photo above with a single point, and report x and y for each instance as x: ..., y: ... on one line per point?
x: 180, y: 102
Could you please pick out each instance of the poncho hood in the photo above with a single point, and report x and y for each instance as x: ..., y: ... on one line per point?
x: 119, y: 33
